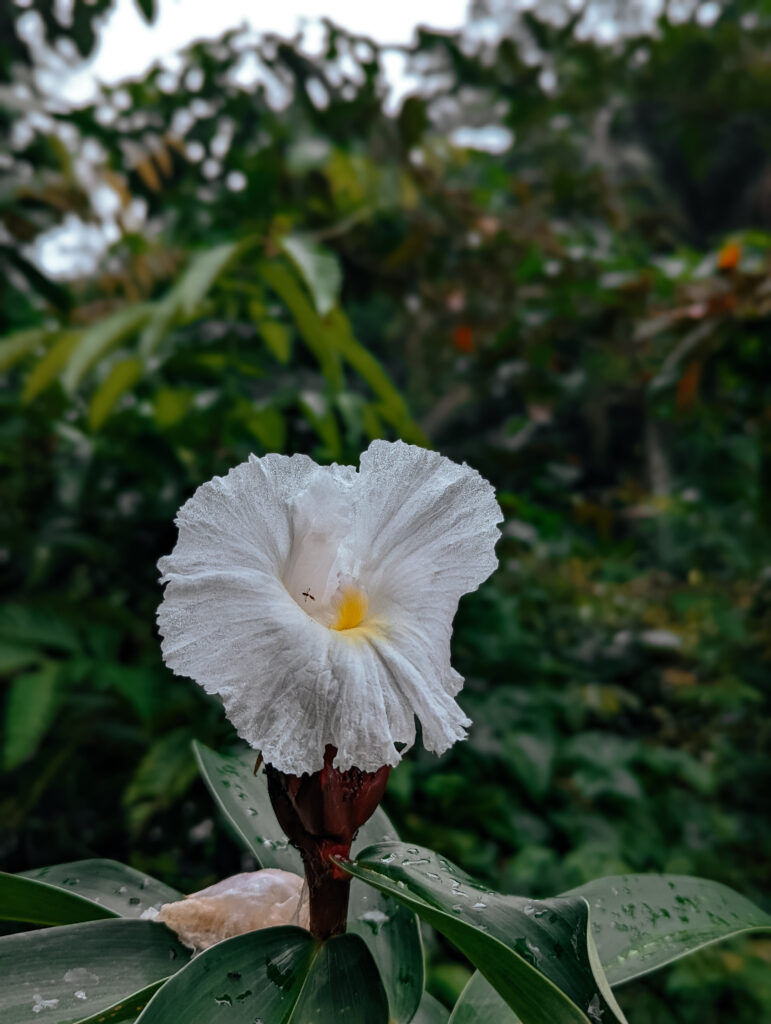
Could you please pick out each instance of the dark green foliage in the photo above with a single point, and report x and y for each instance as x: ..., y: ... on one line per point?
x: 567, y: 316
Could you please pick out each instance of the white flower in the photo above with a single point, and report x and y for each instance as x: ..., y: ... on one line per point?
x: 318, y: 601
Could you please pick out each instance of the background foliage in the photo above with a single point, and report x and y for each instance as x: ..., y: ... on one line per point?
x: 583, y: 316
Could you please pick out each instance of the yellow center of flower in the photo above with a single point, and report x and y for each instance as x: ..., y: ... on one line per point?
x: 350, y: 608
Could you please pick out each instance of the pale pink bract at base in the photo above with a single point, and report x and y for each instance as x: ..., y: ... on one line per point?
x: 242, y: 903
x: 317, y: 601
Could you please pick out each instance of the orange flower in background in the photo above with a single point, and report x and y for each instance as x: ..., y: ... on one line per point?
x: 463, y: 338
x: 729, y: 256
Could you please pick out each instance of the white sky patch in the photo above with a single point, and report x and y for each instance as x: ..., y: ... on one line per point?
x: 129, y: 45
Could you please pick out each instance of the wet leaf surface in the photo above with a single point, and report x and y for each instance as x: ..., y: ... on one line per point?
x: 535, y: 952
x: 389, y: 929
x: 67, y: 974
x: 111, y: 885
x: 642, y: 922
x: 275, y: 976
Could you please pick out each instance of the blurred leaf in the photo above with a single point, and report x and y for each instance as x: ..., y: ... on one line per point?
x: 23, y: 624
x: 277, y: 976
x: 171, y: 406
x: 268, y: 425
x: 30, y: 709
x: 322, y: 418
x: 46, y: 371
x: 14, y: 347
x: 13, y: 657
x: 309, y: 324
x: 101, y: 338
x: 319, y: 268
x: 278, y: 339
x: 121, y: 378
x: 162, y: 776
x: 182, y: 302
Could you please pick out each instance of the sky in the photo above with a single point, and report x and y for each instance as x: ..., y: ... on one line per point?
x: 129, y: 45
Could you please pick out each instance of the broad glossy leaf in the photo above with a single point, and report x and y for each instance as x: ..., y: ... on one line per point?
x: 479, y: 1003
x: 642, y: 922
x: 127, y: 1008
x: 389, y: 929
x: 74, y: 972
x: 243, y: 799
x: 109, y: 886
x: 538, y: 954
x: 275, y: 976
x: 25, y: 899
x: 431, y: 1011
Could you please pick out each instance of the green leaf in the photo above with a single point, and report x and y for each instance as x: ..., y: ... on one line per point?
x: 431, y: 1011
x: 36, y: 902
x: 390, y: 931
x: 391, y: 404
x: 108, y: 884
x: 102, y: 338
x: 537, y: 954
x: 277, y: 976
x: 319, y: 268
x: 29, y: 712
x: 13, y: 657
x: 44, y: 373
x: 75, y: 971
x: 23, y: 624
x: 201, y: 273
x: 185, y: 297
x: 126, y: 1008
x: 322, y: 418
x: 310, y: 325
x: 163, y: 775
x: 14, y: 347
x: 278, y: 339
x: 479, y: 1003
x: 243, y: 799
x: 268, y: 425
x: 122, y: 376
x: 642, y: 922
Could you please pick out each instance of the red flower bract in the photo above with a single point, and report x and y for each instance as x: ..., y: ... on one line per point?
x: 321, y: 813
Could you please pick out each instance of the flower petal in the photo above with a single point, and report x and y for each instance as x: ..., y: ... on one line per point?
x: 261, y: 554
x: 426, y: 527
